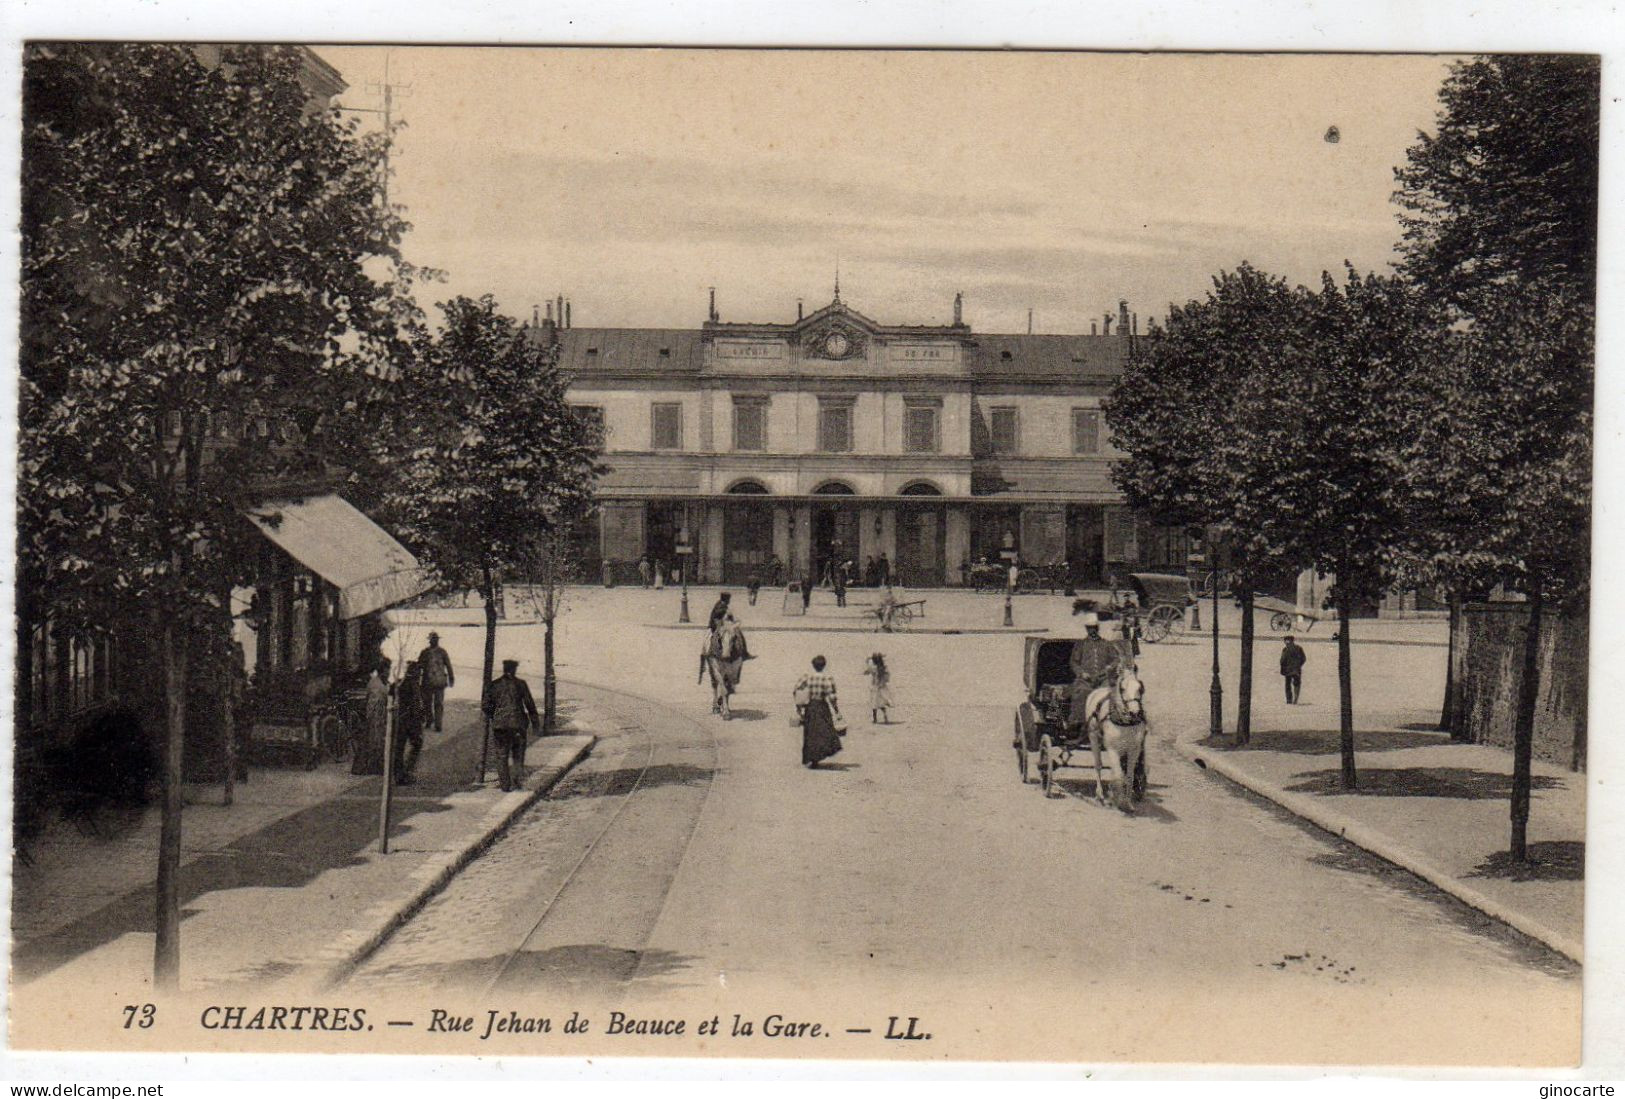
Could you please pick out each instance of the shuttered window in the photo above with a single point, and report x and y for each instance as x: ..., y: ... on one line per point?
x: 666, y: 427
x: 1085, y: 431
x: 750, y: 423
x: 920, y: 429
x: 835, y: 426
x: 1005, y: 427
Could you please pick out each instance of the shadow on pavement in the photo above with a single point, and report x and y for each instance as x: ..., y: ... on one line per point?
x: 740, y: 713
x: 1313, y: 742
x: 1419, y: 782
x: 624, y: 780
x: 1549, y: 860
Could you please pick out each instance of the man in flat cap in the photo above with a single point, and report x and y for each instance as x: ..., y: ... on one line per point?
x: 435, y: 665
x: 513, y: 714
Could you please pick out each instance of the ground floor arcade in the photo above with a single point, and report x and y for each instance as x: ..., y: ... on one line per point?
x: 926, y: 540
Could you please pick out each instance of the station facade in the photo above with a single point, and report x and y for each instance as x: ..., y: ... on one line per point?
x: 834, y: 436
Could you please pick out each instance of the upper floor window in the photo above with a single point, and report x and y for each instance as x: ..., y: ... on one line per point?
x: 750, y: 423
x: 1006, y: 426
x: 1085, y: 431
x: 835, y: 426
x: 666, y: 426
x: 920, y: 435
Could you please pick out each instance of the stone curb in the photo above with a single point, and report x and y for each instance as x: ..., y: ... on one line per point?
x: 381, y: 921
x: 1370, y: 839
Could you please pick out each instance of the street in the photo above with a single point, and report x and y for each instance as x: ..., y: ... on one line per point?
x: 692, y: 865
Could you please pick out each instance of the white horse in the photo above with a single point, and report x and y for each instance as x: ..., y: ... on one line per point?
x: 1124, y: 700
x: 724, y: 657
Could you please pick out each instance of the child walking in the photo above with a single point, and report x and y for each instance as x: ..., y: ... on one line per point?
x: 879, y: 689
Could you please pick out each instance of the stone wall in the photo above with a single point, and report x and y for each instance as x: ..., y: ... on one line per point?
x: 1491, y: 663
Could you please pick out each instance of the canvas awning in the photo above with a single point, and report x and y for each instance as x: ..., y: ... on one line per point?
x: 333, y: 539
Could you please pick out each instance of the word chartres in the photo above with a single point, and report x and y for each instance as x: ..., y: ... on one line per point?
x: 283, y: 1017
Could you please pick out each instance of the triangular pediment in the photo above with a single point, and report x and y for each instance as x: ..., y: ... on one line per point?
x: 836, y: 310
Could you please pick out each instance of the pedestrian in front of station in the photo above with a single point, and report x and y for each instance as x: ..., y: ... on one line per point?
x: 879, y: 688
x: 435, y: 665
x: 754, y: 587
x: 821, y: 721
x: 1292, y: 662
x: 660, y: 575
x: 806, y: 592
x: 410, y: 713
x: 644, y: 570
x: 885, y: 570
x: 838, y: 576
x: 513, y: 714
x: 719, y: 611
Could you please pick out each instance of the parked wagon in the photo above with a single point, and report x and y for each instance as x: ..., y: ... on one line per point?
x: 1283, y: 615
x: 1161, y: 602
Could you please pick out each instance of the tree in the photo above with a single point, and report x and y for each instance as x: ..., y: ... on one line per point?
x: 1500, y: 228
x: 200, y: 253
x: 548, y: 566
x: 497, y: 458
x: 1320, y: 469
x: 1174, y: 413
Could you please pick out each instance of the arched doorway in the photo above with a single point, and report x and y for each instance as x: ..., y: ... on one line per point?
x: 921, y: 532
x: 747, y: 533
x: 834, y: 529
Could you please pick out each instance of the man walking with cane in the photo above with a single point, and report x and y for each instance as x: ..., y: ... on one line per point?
x: 513, y: 714
x: 1292, y: 661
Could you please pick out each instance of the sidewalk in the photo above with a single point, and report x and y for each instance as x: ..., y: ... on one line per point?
x: 285, y: 884
x: 1436, y: 808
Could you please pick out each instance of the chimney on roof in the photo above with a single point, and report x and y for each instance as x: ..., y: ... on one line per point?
x: 959, y: 307
x: 1122, y: 317
x: 1106, y: 327
x: 535, y: 316
x: 567, y: 313
x: 1094, y: 329
x: 799, y: 311
x: 713, y: 312
x: 1029, y: 322
x: 1136, y: 317
x: 549, y: 312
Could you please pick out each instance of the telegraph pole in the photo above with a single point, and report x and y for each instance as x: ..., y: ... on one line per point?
x: 389, y: 90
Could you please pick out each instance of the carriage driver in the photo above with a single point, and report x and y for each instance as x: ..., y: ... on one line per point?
x: 1096, y: 664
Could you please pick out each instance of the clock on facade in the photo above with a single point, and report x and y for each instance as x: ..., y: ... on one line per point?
x: 836, y: 345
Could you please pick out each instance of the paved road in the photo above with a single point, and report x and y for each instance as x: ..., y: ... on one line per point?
x: 693, y: 866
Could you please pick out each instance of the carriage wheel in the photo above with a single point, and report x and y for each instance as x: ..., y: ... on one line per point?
x: 1137, y: 789
x: 1046, y: 764
x: 1280, y: 621
x: 334, y: 736
x: 905, y: 614
x: 1161, y: 623
x: 1023, y: 754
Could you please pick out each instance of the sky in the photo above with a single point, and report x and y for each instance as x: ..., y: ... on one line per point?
x: 631, y: 181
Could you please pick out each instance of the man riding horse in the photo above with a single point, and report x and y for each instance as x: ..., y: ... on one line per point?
x: 724, y: 656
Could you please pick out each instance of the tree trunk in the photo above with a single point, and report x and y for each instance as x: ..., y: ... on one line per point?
x: 1450, y: 713
x: 1244, y: 692
x: 488, y: 591
x: 549, y: 683
x: 166, y: 960
x: 1523, y: 730
x: 1345, y: 690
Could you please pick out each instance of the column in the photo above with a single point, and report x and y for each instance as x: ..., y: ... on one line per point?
x: 711, y: 567
x: 956, y: 548
x: 782, y: 541
x: 868, y: 536
x: 888, y: 536
x: 801, y: 541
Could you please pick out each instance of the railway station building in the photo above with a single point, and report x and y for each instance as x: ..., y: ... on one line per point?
x: 833, y: 435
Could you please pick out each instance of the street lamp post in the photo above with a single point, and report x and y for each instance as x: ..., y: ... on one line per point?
x: 1008, y: 556
x: 1216, y: 691
x: 683, y: 552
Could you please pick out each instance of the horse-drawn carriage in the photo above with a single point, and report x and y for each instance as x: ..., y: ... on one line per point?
x: 1046, y: 740
x: 1159, y: 605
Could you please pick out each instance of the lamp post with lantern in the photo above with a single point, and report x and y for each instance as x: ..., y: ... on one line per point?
x: 1216, y: 690
x: 684, y: 550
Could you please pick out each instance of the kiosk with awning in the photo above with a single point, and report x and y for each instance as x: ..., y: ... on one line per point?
x: 326, y: 573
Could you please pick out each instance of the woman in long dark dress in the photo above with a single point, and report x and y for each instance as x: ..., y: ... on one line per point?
x: 819, y: 740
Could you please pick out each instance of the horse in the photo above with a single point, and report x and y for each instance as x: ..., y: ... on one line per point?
x: 724, y: 657
x: 1115, y: 718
